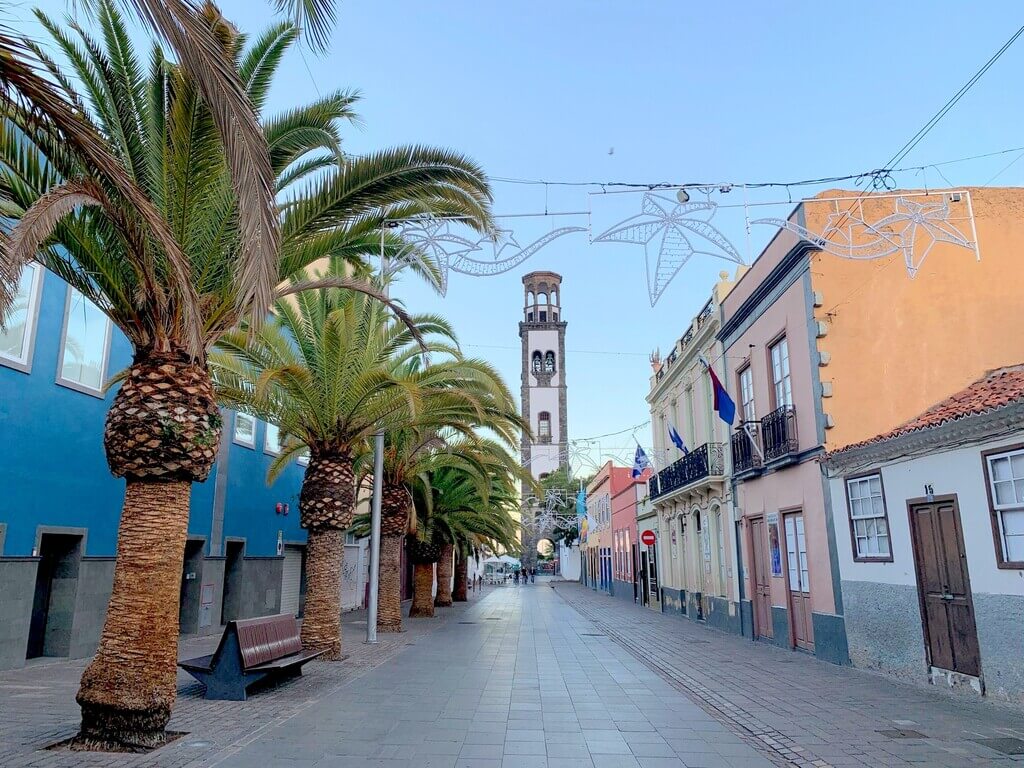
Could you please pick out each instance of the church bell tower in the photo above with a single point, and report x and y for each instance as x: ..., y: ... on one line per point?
x: 542, y: 332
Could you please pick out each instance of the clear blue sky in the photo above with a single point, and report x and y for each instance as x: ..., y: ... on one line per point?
x: 733, y: 91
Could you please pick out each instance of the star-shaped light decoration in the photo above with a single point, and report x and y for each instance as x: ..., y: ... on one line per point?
x: 508, y: 254
x: 850, y: 237
x: 671, y: 226
x: 429, y: 237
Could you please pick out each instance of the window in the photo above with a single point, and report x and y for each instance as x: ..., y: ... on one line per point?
x: 747, y: 394
x: 549, y: 362
x: 16, y: 338
x: 272, y: 441
x: 543, y: 297
x: 245, y: 430
x: 543, y: 316
x: 303, y: 457
x: 544, y: 425
x: 720, y: 541
x: 1005, y: 474
x: 537, y: 362
x: 83, y: 359
x: 530, y: 299
x: 869, y: 525
x: 780, y: 373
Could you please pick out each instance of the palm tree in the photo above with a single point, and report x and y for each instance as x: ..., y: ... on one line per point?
x: 460, y: 509
x: 174, y: 287
x: 445, y: 434
x: 330, y: 370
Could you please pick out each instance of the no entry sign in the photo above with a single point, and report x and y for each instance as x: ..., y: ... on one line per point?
x: 648, y: 537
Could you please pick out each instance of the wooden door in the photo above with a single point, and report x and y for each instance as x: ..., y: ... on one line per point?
x: 762, y: 597
x: 944, y: 586
x: 799, y: 582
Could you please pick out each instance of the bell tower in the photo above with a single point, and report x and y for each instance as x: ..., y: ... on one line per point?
x: 542, y: 332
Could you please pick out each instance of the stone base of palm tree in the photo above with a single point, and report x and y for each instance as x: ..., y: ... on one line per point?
x: 460, y: 593
x: 321, y: 622
x: 422, y: 594
x: 128, y: 689
x: 444, y: 577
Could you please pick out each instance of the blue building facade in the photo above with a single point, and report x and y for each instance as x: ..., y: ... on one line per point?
x: 58, y: 525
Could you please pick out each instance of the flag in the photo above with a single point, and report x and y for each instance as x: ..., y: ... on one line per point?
x: 676, y: 439
x: 640, y: 462
x: 724, y: 404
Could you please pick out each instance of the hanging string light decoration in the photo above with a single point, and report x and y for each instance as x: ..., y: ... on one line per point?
x: 671, y: 226
x: 848, y: 235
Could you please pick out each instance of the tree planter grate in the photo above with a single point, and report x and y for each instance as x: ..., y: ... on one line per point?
x: 899, y: 733
x: 1008, y: 746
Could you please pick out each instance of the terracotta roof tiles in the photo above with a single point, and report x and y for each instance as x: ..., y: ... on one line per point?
x: 996, y: 389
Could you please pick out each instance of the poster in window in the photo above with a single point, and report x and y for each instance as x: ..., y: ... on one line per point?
x: 774, y: 547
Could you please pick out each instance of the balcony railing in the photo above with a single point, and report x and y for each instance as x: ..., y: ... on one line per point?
x: 706, y: 461
x: 778, y: 433
x: 744, y: 457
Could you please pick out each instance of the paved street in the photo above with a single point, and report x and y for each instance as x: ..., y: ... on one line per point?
x: 535, y: 676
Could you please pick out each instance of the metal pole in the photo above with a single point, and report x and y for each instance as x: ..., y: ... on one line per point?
x: 378, y: 482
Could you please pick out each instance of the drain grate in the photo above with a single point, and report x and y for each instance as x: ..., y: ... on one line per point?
x: 492, y: 618
x: 467, y: 622
x: 1008, y: 746
x: 901, y: 733
x: 592, y: 634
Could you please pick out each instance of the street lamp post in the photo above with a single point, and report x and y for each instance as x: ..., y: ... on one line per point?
x: 378, y: 482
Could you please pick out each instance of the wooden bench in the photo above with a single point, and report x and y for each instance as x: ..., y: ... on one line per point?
x: 249, y: 651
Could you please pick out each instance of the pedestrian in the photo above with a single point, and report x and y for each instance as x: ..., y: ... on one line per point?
x: 533, y: 575
x: 515, y: 578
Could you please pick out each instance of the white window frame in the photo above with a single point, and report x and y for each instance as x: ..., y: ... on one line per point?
x: 267, y: 447
x: 747, y: 394
x: 869, y: 522
x: 70, y: 383
x: 541, y: 421
x: 1003, y: 510
x: 234, y: 430
x: 28, y: 341
x: 781, y: 379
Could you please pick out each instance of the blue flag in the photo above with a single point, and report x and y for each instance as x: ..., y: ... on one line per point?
x: 676, y: 439
x: 640, y: 462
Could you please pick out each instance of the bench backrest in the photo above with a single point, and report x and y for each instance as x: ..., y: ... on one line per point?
x: 267, y: 638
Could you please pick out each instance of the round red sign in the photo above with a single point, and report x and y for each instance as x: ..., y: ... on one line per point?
x: 648, y: 537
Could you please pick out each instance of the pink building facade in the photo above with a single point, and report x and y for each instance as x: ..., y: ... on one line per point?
x: 625, y: 549
x: 790, y: 588
x: 598, y: 568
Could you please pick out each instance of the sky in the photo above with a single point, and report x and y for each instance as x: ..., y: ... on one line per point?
x: 648, y: 92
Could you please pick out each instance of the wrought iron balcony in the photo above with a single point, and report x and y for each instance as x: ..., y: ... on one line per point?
x: 744, y: 457
x: 778, y: 433
x: 706, y: 461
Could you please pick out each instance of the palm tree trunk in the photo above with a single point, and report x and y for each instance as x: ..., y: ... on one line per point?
x: 321, y: 621
x: 460, y: 592
x: 161, y: 435
x: 444, y: 577
x: 128, y: 689
x: 423, y: 587
x: 389, y: 595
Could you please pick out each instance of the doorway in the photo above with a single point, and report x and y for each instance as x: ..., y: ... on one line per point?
x: 191, y: 585
x: 799, y: 586
x: 697, y: 553
x: 231, y: 599
x: 944, y: 587
x: 762, y: 596
x: 53, y: 604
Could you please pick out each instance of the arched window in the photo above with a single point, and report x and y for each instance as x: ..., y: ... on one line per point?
x: 544, y: 425
x: 537, y: 361
x: 549, y: 362
x: 531, y: 299
x: 543, y: 298
x: 554, y: 298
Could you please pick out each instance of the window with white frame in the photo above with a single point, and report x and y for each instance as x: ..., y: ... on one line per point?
x: 272, y: 441
x: 868, y: 521
x: 245, y: 429
x: 1006, y: 484
x: 83, y: 357
x: 16, y: 337
x: 747, y: 394
x: 780, y: 373
x: 720, y: 541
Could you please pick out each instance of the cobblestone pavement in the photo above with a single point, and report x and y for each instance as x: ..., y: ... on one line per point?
x: 796, y: 709
x: 37, y: 703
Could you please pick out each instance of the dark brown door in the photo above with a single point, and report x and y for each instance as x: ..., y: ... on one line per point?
x: 762, y: 580
x: 944, y: 584
x: 799, y: 582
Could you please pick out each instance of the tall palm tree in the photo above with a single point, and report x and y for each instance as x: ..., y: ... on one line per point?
x: 330, y: 370
x: 173, y: 296
x: 445, y: 434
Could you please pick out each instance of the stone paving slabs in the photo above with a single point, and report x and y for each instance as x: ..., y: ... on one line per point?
x: 796, y: 709
x: 541, y: 678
